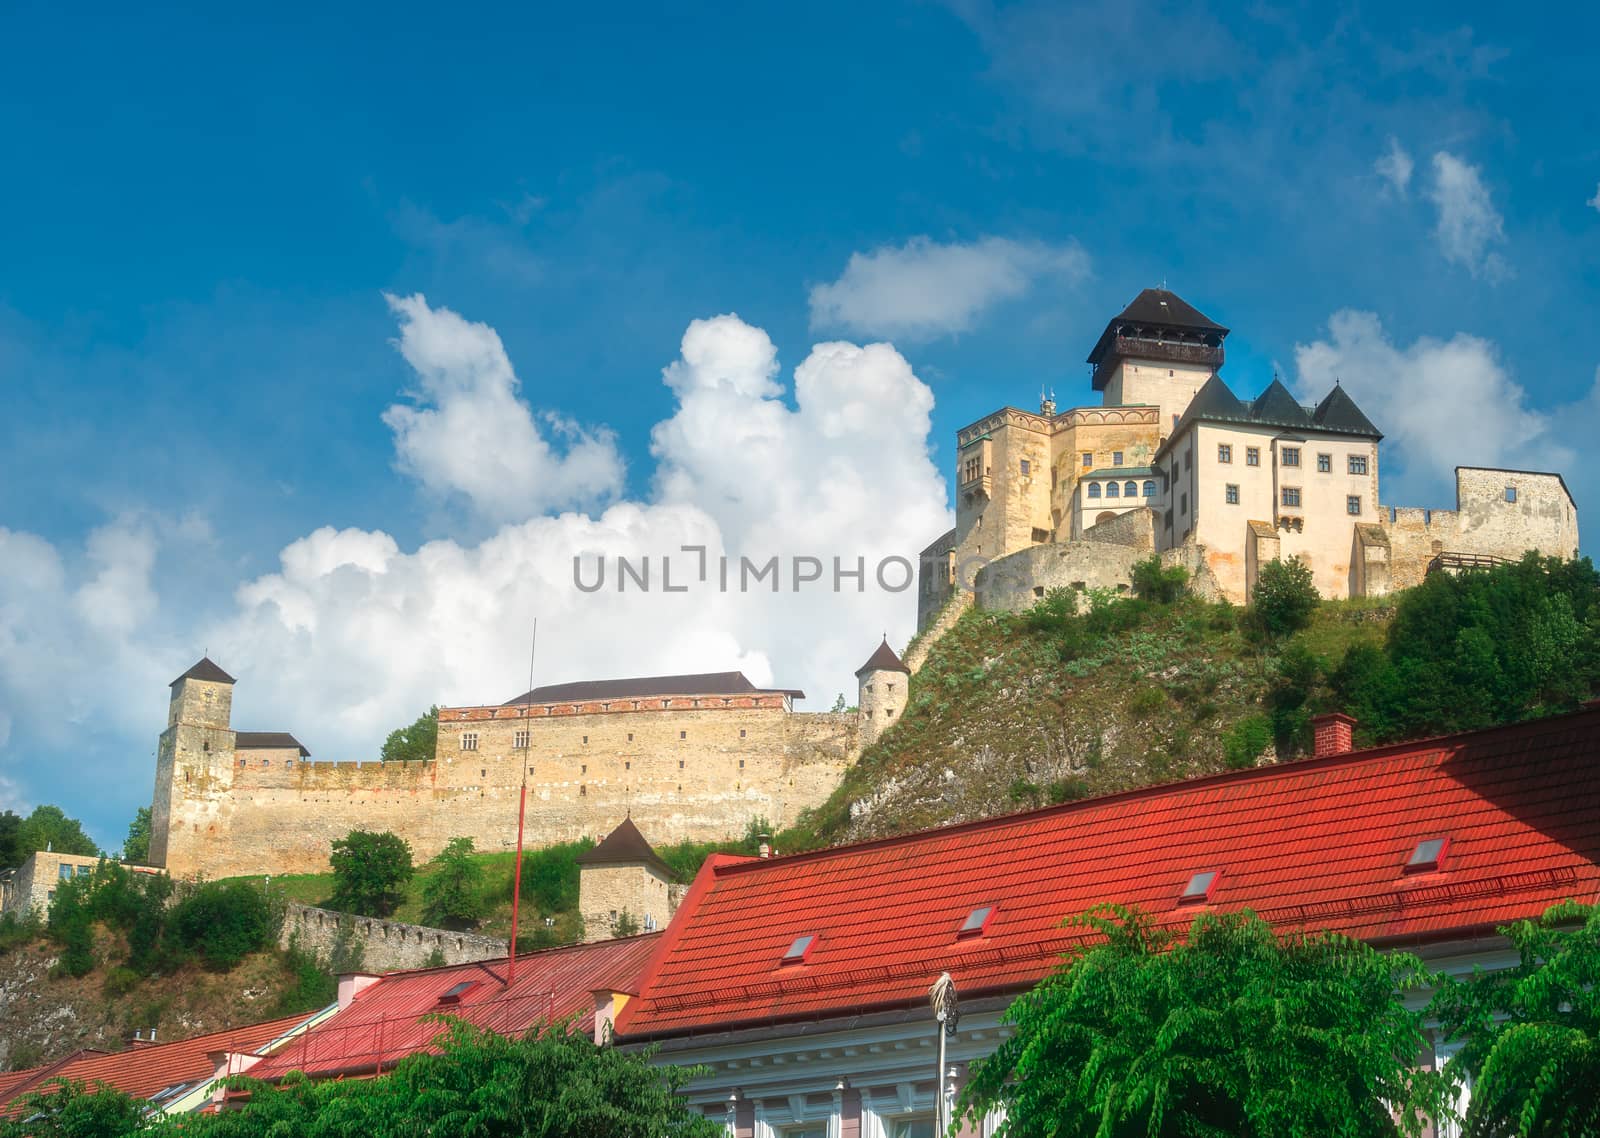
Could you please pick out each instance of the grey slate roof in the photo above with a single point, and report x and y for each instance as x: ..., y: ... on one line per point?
x: 1215, y: 402
x: 1160, y: 308
x: 267, y: 741
x: 624, y: 846
x: 205, y: 669
x: 639, y: 687
x: 884, y: 660
x: 1338, y: 412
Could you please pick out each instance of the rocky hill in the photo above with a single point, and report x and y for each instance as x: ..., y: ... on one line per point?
x: 1014, y: 711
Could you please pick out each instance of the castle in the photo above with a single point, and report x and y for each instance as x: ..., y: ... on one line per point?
x: 689, y: 756
x: 1174, y: 463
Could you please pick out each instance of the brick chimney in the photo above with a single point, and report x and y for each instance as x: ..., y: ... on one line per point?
x: 1334, y: 734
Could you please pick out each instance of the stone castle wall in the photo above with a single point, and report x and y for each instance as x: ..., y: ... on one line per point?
x: 700, y: 773
x: 1021, y: 580
x: 386, y: 946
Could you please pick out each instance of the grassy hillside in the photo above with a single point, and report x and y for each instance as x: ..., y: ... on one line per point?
x: 1013, y: 711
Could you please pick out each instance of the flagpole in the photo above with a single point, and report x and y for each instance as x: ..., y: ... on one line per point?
x: 522, y: 811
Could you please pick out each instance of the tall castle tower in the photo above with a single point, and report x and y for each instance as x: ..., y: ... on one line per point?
x: 883, y: 682
x: 1159, y: 351
x: 194, y: 766
x: 623, y: 874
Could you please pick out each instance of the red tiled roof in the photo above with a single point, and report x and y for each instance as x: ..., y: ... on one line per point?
x: 385, y: 1022
x: 1318, y: 844
x: 142, y: 1071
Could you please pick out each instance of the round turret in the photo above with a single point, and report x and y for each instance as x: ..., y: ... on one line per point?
x: 883, y: 681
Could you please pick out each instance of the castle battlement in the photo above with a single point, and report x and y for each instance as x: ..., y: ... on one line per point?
x: 775, y: 701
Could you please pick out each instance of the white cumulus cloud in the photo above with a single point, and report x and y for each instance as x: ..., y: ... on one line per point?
x: 1595, y: 201
x: 922, y: 290
x: 470, y: 436
x: 1395, y: 167
x: 1469, y: 228
x: 1440, y: 403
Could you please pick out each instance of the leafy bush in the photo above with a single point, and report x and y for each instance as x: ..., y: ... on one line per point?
x: 550, y: 877
x: 1147, y: 701
x: 17, y: 931
x: 452, y: 896
x: 1159, y: 583
x: 223, y: 921
x: 1284, y: 598
x: 1244, y: 742
x: 368, y: 870
x: 310, y: 985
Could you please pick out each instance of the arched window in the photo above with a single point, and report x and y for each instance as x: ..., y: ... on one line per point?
x: 1094, y: 489
x: 1131, y: 490
x: 1112, y: 489
x: 1149, y: 488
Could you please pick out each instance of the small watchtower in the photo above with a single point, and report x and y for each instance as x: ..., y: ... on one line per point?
x: 623, y: 874
x: 1157, y: 352
x: 883, y: 682
x: 195, y: 757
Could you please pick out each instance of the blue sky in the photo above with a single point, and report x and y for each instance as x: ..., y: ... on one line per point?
x: 202, y: 214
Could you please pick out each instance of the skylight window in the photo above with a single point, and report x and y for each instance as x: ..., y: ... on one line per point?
x: 1428, y: 856
x: 977, y: 922
x: 1199, y: 888
x: 458, y: 993
x: 800, y: 949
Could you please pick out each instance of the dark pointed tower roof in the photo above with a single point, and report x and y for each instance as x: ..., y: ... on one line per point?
x: 206, y: 669
x: 1159, y: 325
x: 1338, y: 412
x: 1277, y: 406
x: 883, y: 660
x: 624, y: 846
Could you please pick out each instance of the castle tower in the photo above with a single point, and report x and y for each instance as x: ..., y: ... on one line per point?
x: 1158, y: 352
x: 194, y: 766
x: 623, y: 874
x: 883, y: 682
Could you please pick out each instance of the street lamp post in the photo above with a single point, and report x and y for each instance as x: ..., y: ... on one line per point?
x: 947, y: 1011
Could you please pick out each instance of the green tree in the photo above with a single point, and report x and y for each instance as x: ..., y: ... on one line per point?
x: 221, y: 922
x: 63, y: 1109
x: 368, y: 872
x: 1160, y: 583
x: 1230, y: 1031
x: 1284, y: 597
x: 136, y: 846
x: 1531, y: 1034
x: 551, y: 1085
x: 627, y: 924
x: 414, y: 743
x: 452, y: 895
x: 11, y: 851
x: 48, y: 827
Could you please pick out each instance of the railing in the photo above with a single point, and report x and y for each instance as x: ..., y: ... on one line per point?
x: 1455, y: 562
x: 1175, y: 351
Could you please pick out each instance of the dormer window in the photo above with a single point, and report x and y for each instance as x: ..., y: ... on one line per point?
x: 1428, y: 856
x: 1199, y: 889
x: 977, y: 922
x: 800, y: 950
x: 458, y: 993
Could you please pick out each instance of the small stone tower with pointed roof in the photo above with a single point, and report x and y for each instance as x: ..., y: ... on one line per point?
x: 623, y: 874
x: 194, y: 764
x: 883, y: 681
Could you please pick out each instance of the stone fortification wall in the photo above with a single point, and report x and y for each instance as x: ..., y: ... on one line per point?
x: 1135, y: 529
x: 385, y: 945
x: 1021, y: 580
x: 682, y: 773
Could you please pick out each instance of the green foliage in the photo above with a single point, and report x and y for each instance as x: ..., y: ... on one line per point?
x: 554, y: 1085
x: 686, y: 857
x: 63, y: 1109
x: 17, y: 931
x: 136, y: 846
x: 1479, y: 648
x: 369, y: 870
x: 626, y: 924
x: 11, y: 851
x: 1284, y: 598
x: 1244, y: 742
x: 414, y: 743
x: 550, y: 877
x: 1531, y: 1034
x: 220, y: 922
x: 1159, y: 583
x: 435, y: 959
x: 1230, y: 1031
x: 452, y: 897
x: 309, y: 985
x: 1147, y: 701
x: 48, y: 827
x: 348, y: 952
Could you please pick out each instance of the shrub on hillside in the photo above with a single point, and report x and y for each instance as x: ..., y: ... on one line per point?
x: 368, y: 872
x: 452, y: 896
x: 550, y: 877
x: 221, y: 922
x: 1245, y: 741
x: 1284, y: 598
x: 1160, y: 583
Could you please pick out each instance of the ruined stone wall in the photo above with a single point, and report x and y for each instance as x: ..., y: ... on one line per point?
x: 1021, y: 580
x: 699, y: 773
x: 385, y: 945
x: 1134, y: 530
x: 928, y: 635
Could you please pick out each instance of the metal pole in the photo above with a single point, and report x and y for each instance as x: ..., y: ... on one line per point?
x: 522, y: 811
x: 938, y: 1085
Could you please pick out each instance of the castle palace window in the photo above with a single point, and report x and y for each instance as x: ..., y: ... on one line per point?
x: 1324, y: 463
x: 1358, y: 464
x: 1088, y: 459
x: 1113, y: 490
x: 1252, y: 456
x: 971, y: 469
x: 1094, y: 489
x: 1130, y: 490
x: 1026, y: 467
x: 1352, y: 504
x: 1290, y: 456
x: 1150, y: 488
x: 469, y: 740
x: 1230, y: 493
x: 519, y: 741
x: 1224, y: 452
x: 1511, y: 493
x: 1291, y: 496
x: 1116, y: 458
